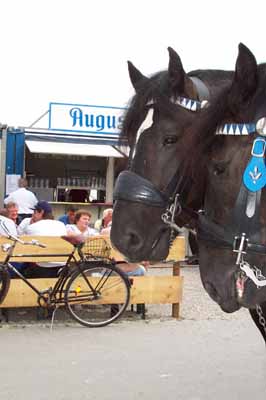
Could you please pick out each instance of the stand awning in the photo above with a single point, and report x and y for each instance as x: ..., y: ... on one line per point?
x: 74, y: 145
x: 81, y: 149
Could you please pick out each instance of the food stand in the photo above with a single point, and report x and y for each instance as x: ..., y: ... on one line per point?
x: 64, y: 167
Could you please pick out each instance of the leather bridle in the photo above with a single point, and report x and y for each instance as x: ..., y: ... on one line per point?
x: 242, y: 234
x: 135, y: 188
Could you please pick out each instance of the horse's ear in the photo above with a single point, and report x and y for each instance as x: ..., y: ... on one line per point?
x: 136, y: 77
x: 246, y: 75
x: 176, y: 71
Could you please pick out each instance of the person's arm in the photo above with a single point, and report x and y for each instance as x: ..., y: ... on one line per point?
x: 8, y: 199
x: 71, y: 231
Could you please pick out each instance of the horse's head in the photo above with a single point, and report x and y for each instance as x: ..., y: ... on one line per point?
x: 232, y: 234
x: 155, y: 125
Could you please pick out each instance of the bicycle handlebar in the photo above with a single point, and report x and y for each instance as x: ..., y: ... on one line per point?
x: 32, y: 242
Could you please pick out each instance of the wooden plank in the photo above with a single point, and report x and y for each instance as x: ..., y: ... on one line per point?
x: 176, y: 305
x: 145, y: 289
x: 176, y: 252
x: 156, y: 289
x: 178, y: 249
x: 21, y: 295
x: 56, y: 245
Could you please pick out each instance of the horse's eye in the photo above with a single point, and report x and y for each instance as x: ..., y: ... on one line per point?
x: 219, y: 167
x: 170, y: 140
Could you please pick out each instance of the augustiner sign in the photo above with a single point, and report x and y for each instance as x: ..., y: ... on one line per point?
x: 83, y: 118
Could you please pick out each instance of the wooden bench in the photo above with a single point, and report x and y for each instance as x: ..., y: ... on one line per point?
x: 166, y: 289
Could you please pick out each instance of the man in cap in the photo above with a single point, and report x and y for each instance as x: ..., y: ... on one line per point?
x: 42, y: 222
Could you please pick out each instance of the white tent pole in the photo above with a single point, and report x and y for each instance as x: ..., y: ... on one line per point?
x: 110, y: 180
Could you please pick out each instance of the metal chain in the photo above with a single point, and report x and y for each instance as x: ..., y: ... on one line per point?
x: 259, y: 274
x: 262, y: 320
x: 168, y: 218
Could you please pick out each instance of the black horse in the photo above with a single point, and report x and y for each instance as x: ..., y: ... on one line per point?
x: 165, y: 103
x: 232, y: 233
x: 167, y: 140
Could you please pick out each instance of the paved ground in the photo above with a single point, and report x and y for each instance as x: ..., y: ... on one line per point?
x: 206, y: 355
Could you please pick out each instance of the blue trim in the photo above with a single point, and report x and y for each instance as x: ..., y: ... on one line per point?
x: 15, y: 151
x: 20, y: 146
x: 236, y: 129
x: 10, y: 153
x: 85, y: 105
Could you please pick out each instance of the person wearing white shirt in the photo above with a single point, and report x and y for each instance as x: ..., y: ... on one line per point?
x: 25, y: 199
x: 43, y: 224
x: 7, y: 226
x: 22, y: 227
x: 81, y: 225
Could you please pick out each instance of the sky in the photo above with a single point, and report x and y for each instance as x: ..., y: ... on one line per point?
x: 76, y: 51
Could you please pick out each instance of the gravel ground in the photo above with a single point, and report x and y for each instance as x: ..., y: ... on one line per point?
x: 196, y: 304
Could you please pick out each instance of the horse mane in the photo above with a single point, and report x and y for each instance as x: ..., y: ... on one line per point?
x: 200, y: 137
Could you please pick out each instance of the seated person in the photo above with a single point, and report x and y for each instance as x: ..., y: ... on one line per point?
x: 81, y: 225
x: 105, y: 220
x: 7, y: 225
x: 22, y: 227
x: 12, y: 211
x: 69, y: 217
x: 42, y: 223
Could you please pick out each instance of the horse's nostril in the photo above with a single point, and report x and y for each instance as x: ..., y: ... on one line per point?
x: 133, y: 239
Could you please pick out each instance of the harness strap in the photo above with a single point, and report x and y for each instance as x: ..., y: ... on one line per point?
x: 214, y: 234
x: 203, y: 91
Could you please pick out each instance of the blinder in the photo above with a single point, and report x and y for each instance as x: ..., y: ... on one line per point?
x: 133, y: 187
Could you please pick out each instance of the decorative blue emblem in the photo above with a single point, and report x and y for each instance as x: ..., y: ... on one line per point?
x: 254, y: 176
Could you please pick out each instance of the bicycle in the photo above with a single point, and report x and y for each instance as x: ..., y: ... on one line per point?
x: 94, y: 291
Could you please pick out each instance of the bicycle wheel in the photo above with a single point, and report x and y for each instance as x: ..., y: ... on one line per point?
x: 4, y: 282
x: 97, y: 295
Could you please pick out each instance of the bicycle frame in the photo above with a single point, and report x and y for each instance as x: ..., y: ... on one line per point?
x: 64, y: 273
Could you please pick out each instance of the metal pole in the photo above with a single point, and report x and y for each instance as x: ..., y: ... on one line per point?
x: 3, y: 164
x: 110, y: 180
